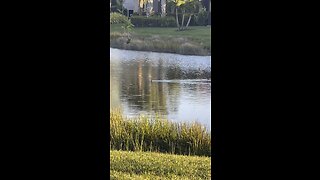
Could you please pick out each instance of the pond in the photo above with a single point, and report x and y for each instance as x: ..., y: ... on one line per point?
x: 176, y: 86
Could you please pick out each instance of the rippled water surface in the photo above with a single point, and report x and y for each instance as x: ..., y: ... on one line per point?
x: 176, y: 86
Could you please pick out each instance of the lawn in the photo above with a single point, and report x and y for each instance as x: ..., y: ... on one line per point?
x: 149, y: 165
x: 196, y: 40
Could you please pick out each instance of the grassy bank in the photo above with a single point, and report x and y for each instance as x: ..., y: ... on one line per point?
x: 158, y: 135
x: 194, y: 41
x: 147, y: 165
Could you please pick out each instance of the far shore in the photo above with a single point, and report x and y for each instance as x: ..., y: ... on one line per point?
x: 194, y: 41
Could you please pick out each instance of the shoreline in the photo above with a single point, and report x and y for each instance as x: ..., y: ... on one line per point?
x: 160, y: 51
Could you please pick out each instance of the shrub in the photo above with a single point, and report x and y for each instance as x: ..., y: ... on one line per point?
x: 116, y: 6
x: 117, y: 18
x: 135, y: 14
x: 153, y: 21
x: 192, y: 21
x: 201, y: 19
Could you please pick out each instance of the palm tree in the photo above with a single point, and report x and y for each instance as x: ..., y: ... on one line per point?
x: 142, y: 4
x: 187, y: 7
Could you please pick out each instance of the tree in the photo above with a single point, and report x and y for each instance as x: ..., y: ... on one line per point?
x: 191, y: 7
x: 127, y: 28
x: 116, y: 6
x: 142, y: 4
x: 186, y: 7
x: 121, y: 4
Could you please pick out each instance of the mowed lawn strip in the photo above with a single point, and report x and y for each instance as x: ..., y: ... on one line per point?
x: 150, y: 165
x: 194, y: 41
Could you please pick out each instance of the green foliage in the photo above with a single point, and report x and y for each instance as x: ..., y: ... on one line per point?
x: 170, y: 6
x: 180, y: 2
x: 127, y: 26
x: 158, y: 135
x: 201, y: 19
x: 188, y: 8
x: 126, y: 165
x: 117, y: 18
x: 153, y: 21
x: 117, y: 6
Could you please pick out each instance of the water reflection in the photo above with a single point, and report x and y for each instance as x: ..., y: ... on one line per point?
x: 132, y: 88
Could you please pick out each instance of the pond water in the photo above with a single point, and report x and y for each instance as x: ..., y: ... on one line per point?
x: 148, y: 83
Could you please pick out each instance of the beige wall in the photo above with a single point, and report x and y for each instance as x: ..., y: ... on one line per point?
x: 134, y: 4
x: 131, y: 5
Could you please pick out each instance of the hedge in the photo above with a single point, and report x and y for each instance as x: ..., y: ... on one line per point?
x: 153, y: 21
x: 200, y: 19
x: 117, y: 18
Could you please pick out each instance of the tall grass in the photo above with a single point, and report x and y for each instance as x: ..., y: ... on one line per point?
x: 158, y: 135
x: 195, y: 41
x: 155, y: 43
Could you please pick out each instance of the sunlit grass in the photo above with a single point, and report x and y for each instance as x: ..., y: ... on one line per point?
x: 148, y: 165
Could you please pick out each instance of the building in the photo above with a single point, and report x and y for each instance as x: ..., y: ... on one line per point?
x: 152, y: 6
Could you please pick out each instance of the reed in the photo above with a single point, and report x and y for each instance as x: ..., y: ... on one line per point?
x: 158, y: 135
x: 195, y: 41
x: 183, y: 46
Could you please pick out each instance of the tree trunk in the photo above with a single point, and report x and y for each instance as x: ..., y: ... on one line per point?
x: 140, y: 11
x: 177, y: 19
x: 188, y: 21
x: 182, y: 20
x: 163, y: 8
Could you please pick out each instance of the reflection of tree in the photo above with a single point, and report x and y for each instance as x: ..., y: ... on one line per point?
x: 174, y: 72
x: 158, y: 98
x: 161, y: 71
x: 138, y: 89
x: 131, y: 82
x: 174, y: 91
